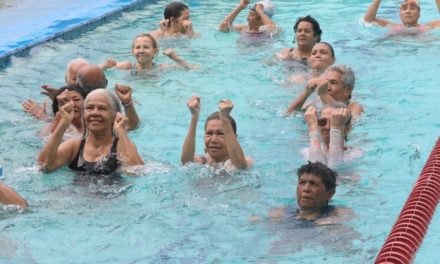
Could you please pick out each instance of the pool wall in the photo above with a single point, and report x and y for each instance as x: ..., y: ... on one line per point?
x: 29, y: 23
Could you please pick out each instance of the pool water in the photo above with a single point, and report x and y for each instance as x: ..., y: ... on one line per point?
x: 175, y: 214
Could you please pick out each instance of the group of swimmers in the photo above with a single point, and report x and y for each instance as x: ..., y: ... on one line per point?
x: 88, y: 131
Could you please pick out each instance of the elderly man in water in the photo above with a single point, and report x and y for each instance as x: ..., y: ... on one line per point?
x: 316, y: 186
x: 39, y: 110
x: 409, y: 16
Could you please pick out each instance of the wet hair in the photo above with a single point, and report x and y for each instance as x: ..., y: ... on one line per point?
x: 74, y: 87
x: 115, y: 106
x: 173, y: 9
x: 316, y: 28
x: 348, y: 77
x: 327, y: 175
x: 145, y: 35
x: 216, y: 115
x: 332, y: 51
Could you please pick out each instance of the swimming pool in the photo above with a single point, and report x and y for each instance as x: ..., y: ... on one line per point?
x: 177, y: 214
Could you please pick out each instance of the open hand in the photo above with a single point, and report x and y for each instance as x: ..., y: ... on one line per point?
x: 34, y: 109
x: 49, y: 91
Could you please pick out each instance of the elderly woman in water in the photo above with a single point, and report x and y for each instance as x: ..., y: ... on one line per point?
x: 105, y: 146
x: 335, y: 85
x: 221, y: 144
x: 409, y: 16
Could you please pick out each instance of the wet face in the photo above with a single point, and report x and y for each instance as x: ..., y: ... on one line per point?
x: 98, y: 113
x: 321, y: 57
x: 336, y: 88
x: 181, y: 22
x: 305, y: 35
x: 409, y: 13
x: 78, y: 103
x: 254, y: 20
x: 215, y: 143
x: 311, y: 193
x: 144, y: 50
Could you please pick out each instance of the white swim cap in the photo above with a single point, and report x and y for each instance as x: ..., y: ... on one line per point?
x: 267, y: 7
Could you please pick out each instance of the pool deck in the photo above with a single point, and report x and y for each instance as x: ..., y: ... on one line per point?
x: 27, y: 23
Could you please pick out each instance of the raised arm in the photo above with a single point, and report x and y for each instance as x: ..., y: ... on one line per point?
x: 370, y: 16
x: 301, y: 99
x: 189, y: 146
x: 172, y: 55
x: 227, y: 24
x: 124, y: 94
x: 126, y: 150
x: 9, y: 196
x: 111, y: 63
x: 311, y: 120
x: 339, y: 119
x: 267, y: 21
x: 435, y: 23
x: 54, y: 154
x: 235, y: 152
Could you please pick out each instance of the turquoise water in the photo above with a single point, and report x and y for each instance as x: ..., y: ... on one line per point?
x: 174, y: 214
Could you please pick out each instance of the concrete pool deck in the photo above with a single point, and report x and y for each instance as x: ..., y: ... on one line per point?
x: 27, y: 23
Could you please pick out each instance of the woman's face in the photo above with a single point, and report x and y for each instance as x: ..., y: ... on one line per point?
x: 409, y: 13
x: 98, y: 113
x: 182, y: 22
x: 78, y: 103
x: 305, y: 35
x: 215, y: 143
x: 144, y: 50
x: 321, y: 57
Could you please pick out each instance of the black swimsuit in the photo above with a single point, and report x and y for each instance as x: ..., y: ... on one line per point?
x: 107, y: 166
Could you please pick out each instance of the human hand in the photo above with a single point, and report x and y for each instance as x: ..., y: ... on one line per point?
x: 49, y: 91
x: 124, y: 93
x: 63, y: 98
x: 120, y: 125
x: 163, y: 24
x: 194, y: 105
x: 109, y: 63
x: 311, y: 119
x: 322, y: 86
x: 34, y: 109
x: 66, y: 112
x: 340, y: 118
x: 225, y: 107
x: 187, y: 25
x: 169, y: 52
x: 244, y: 3
x: 259, y: 8
x: 311, y: 85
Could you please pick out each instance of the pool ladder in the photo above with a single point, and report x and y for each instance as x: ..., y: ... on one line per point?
x: 410, y: 228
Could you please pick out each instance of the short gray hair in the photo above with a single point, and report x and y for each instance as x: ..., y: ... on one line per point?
x: 348, y: 77
x: 75, y: 61
x: 115, y: 106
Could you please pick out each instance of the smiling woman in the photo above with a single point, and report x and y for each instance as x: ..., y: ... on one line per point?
x: 106, y: 145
